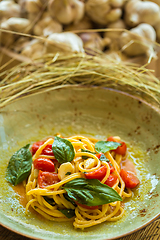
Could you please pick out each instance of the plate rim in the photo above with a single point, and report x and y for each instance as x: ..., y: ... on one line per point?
x: 87, y: 88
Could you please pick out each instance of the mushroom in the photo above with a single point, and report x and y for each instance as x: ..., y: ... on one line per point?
x: 66, y: 11
x: 83, y: 24
x: 47, y: 25
x: 113, y: 34
x: 94, y: 41
x: 21, y: 25
x: 9, y: 9
x: 34, y: 49
x: 101, y: 11
x: 64, y: 42
x: 137, y: 11
x: 138, y: 40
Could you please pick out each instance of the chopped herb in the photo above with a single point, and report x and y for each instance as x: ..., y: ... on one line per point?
x: 69, y: 213
x: 88, y: 151
x: 49, y: 200
x: 103, y: 158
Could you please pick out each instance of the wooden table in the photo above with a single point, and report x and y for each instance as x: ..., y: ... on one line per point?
x: 151, y: 232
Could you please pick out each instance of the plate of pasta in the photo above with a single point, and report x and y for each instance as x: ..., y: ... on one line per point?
x: 79, y: 162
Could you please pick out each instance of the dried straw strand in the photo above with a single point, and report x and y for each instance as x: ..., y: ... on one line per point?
x: 61, y: 70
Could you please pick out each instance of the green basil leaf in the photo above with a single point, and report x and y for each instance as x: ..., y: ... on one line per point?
x: 69, y: 199
x: 105, y: 146
x: 88, y: 151
x: 68, y: 173
x: 91, y: 192
x: 19, y: 165
x: 49, y: 200
x: 103, y: 158
x: 63, y: 150
x: 69, y: 213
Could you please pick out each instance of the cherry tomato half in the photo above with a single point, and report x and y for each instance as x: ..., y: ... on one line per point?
x: 47, y: 178
x: 87, y: 207
x: 120, y: 149
x: 97, y: 174
x: 111, y: 180
x: 35, y: 146
x: 48, y: 150
x: 130, y: 179
x: 44, y: 164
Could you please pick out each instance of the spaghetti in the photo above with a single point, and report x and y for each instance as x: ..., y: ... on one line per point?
x: 49, y: 190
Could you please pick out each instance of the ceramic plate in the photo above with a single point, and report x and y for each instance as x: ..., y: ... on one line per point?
x: 91, y: 112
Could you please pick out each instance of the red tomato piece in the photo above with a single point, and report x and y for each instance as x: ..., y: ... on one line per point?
x: 35, y: 146
x: 47, y: 178
x: 99, y: 155
x: 130, y: 179
x: 87, y: 207
x: 97, y: 174
x: 112, y: 169
x: 111, y: 180
x: 120, y: 149
x: 111, y: 139
x: 129, y: 166
x: 44, y: 164
x: 48, y: 150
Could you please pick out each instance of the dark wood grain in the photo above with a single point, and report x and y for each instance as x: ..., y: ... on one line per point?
x: 151, y: 232
x: 6, y: 234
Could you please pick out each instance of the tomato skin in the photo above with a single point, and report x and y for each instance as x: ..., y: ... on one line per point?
x: 48, y: 150
x: 131, y: 180
x: 112, y: 169
x: 120, y: 149
x: 111, y: 180
x: 111, y: 139
x: 87, y: 207
x: 35, y: 146
x: 44, y: 164
x: 47, y: 178
x: 97, y: 174
x: 99, y: 155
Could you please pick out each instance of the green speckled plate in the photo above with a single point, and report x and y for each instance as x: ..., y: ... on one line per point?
x: 91, y: 112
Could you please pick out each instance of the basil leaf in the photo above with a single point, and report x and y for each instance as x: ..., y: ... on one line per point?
x: 105, y: 146
x: 91, y: 192
x: 86, y: 150
x: 49, y: 200
x: 103, y: 158
x: 69, y: 199
x: 69, y: 213
x: 68, y: 173
x: 19, y: 165
x: 63, y: 150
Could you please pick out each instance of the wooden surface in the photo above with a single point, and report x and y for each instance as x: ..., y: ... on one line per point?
x: 151, y: 232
